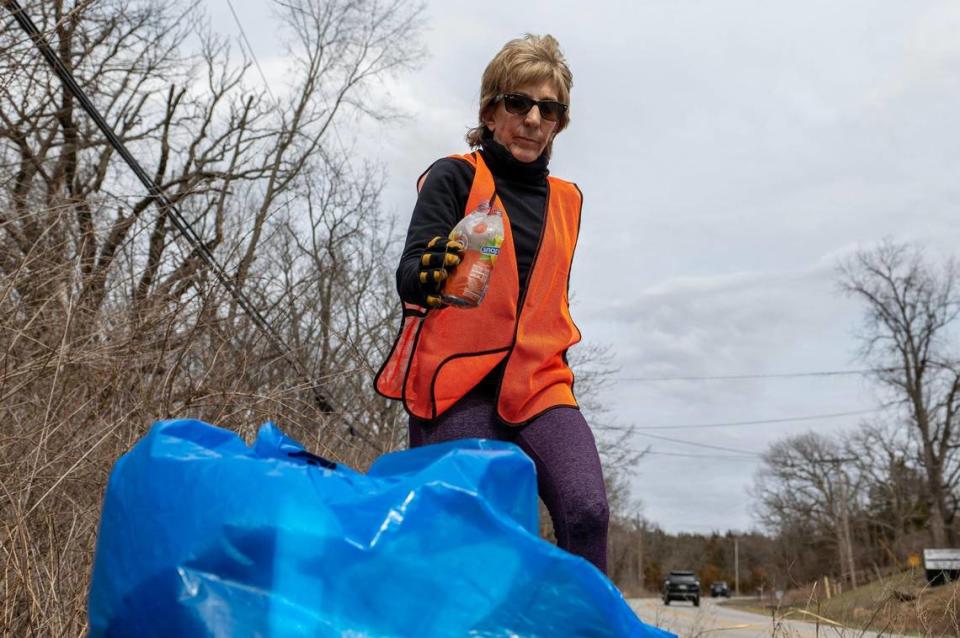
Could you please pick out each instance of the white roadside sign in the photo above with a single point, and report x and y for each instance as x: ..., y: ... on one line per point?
x: 941, y: 559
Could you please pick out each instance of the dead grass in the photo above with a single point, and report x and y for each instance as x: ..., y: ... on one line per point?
x: 900, y: 604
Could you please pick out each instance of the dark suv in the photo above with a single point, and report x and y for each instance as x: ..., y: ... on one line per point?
x: 720, y: 588
x: 681, y: 585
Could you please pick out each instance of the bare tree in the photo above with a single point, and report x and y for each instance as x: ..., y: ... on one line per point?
x: 805, y: 478
x: 338, y: 290
x: 886, y: 459
x: 229, y: 159
x: 910, y: 308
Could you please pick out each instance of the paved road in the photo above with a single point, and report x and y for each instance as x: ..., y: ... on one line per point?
x: 710, y: 619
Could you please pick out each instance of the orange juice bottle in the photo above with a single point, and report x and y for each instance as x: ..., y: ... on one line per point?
x: 481, y: 232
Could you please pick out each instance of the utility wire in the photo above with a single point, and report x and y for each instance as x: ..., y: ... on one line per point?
x: 728, y: 424
x: 729, y: 457
x: 243, y: 34
x: 178, y: 220
x: 733, y: 377
x: 745, y: 453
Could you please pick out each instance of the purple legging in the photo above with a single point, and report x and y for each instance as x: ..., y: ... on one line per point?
x: 563, y: 449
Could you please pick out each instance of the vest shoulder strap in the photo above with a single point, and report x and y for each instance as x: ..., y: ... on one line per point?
x: 469, y: 158
x: 562, y: 184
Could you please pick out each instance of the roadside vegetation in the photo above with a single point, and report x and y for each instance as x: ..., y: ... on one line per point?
x: 902, y: 603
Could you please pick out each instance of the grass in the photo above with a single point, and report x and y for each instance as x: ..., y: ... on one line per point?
x: 899, y: 604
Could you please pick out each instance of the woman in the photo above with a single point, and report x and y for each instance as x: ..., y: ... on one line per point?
x: 499, y: 371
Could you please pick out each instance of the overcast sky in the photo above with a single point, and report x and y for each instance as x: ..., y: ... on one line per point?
x: 730, y: 153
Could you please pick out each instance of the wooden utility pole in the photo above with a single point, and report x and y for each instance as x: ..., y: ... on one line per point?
x: 640, y: 530
x: 736, y: 565
x: 845, y: 518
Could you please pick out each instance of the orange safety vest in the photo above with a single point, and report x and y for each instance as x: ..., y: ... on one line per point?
x: 441, y: 354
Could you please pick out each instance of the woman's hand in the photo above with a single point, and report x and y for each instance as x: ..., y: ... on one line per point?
x: 440, y: 257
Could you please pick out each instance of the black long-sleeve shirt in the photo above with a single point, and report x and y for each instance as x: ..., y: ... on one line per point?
x: 522, y: 188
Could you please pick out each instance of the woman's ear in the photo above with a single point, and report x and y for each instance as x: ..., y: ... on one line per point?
x: 488, y: 120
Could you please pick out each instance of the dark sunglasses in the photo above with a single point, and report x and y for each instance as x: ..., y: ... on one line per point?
x: 518, y: 104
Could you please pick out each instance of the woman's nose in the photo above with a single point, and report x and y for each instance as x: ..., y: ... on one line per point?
x: 533, y: 116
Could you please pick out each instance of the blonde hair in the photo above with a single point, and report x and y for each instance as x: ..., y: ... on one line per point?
x: 522, y: 61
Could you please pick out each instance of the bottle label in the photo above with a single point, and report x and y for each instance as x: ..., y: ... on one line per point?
x: 490, y: 250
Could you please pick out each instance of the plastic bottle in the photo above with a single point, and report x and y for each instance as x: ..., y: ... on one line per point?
x: 481, y: 232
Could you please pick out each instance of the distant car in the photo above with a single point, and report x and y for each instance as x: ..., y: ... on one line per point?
x: 681, y: 585
x: 719, y: 588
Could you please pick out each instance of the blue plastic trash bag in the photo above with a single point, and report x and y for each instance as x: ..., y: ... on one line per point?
x: 202, y: 535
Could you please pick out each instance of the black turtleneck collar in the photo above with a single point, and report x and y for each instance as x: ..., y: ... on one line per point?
x: 502, y: 163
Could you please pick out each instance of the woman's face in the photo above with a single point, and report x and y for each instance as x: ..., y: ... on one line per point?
x: 525, y: 136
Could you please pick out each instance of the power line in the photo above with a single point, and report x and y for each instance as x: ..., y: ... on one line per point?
x: 728, y: 424
x: 243, y: 34
x: 811, y: 417
x: 745, y: 454
x: 729, y: 457
x: 759, y: 375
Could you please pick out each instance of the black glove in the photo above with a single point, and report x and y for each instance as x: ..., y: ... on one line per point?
x: 440, y: 257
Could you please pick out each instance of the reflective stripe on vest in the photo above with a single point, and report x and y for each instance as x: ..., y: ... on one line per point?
x: 441, y: 354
